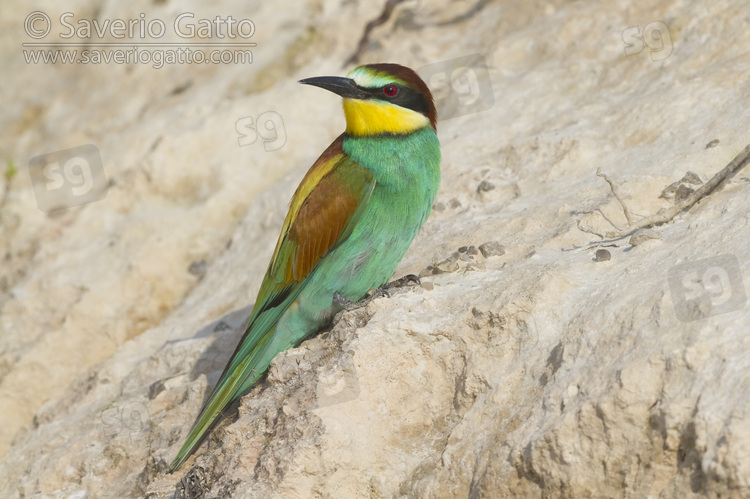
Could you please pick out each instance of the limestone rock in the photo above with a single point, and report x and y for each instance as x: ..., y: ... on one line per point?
x: 545, y: 374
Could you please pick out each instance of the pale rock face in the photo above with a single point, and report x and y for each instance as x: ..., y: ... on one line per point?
x: 524, y: 369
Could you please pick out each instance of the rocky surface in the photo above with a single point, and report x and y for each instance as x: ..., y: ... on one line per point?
x: 524, y: 364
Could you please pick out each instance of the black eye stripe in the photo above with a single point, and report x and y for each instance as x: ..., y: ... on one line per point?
x: 405, y: 97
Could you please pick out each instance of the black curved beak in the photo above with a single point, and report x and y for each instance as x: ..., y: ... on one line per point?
x: 345, y: 87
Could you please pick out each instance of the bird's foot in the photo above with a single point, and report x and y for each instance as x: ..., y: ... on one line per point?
x: 340, y: 300
x: 407, y: 280
x: 351, y: 305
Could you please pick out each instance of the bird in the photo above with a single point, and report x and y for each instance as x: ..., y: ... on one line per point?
x: 350, y: 221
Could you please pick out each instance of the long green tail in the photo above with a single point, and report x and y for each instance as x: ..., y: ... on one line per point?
x: 227, y: 389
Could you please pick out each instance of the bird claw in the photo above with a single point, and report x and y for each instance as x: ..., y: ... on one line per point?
x: 343, y: 302
x: 347, y: 304
x: 407, y: 280
x: 381, y: 291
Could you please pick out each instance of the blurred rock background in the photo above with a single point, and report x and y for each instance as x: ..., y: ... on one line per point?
x: 520, y: 367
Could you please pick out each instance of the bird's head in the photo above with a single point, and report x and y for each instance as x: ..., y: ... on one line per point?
x: 381, y: 99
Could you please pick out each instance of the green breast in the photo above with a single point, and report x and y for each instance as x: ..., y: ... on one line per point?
x: 400, y: 162
x: 407, y: 174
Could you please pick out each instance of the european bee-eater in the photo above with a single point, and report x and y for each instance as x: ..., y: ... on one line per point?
x: 351, y: 220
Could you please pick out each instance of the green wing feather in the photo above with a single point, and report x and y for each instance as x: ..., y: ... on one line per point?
x: 323, y: 211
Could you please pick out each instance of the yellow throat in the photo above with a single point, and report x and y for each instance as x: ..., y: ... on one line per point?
x: 373, y: 117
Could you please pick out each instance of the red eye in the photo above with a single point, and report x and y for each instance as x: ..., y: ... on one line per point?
x: 390, y: 90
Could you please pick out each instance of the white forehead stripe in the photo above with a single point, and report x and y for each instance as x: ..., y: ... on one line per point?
x: 370, y: 79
